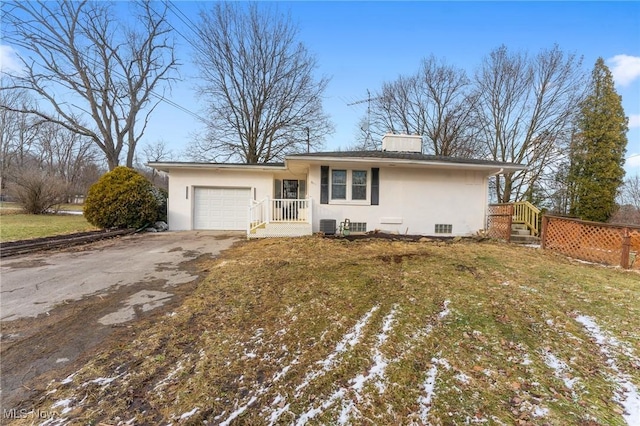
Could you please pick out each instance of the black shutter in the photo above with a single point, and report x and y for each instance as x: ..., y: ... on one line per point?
x: 324, y: 184
x: 375, y: 186
x: 277, y: 189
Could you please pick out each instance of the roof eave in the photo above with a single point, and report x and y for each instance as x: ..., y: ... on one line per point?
x: 167, y: 166
x: 492, y: 168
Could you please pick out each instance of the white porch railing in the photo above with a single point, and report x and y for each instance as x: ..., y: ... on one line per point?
x: 261, y: 213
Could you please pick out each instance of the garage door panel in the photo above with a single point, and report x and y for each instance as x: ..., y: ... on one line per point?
x: 221, y: 208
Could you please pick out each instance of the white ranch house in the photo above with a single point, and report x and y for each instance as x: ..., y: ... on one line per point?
x: 397, y: 190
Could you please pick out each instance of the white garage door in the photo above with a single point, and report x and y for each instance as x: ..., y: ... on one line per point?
x: 223, y: 209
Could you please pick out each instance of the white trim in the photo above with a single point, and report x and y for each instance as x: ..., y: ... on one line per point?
x: 348, y: 200
x: 166, y: 167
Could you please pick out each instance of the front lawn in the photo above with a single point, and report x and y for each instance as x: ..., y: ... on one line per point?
x: 19, y: 226
x: 319, y: 331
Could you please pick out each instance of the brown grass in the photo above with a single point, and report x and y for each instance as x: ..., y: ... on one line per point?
x: 264, y: 331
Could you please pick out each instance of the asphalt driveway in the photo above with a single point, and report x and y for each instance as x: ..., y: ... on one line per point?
x: 56, y: 306
x: 33, y: 284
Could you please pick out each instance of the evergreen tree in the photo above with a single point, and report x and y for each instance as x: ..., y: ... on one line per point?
x: 598, y: 149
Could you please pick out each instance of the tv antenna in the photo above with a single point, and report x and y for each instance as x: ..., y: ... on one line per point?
x: 366, y: 127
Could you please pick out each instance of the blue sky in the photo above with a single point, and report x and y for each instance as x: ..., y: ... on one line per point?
x: 360, y: 45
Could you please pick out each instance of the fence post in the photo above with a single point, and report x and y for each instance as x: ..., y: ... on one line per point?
x: 626, y: 247
x: 543, y: 232
x: 510, y: 210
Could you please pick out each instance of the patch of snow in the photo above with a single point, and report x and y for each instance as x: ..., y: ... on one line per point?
x: 461, y: 377
x: 275, y: 415
x: 560, y: 369
x: 102, y: 381
x: 239, y: 411
x: 170, y: 376
x: 345, y: 413
x: 54, y: 421
x: 64, y: 403
x: 348, y: 340
x: 540, y: 411
x: 443, y: 362
x: 68, y: 379
x: 376, y: 372
x: 219, y: 416
x: 313, y: 412
x: 61, y: 360
x: 425, y: 401
x: 628, y: 396
x: 526, y: 360
x: 497, y: 421
x: 379, y: 361
x: 188, y: 414
x: 445, y: 310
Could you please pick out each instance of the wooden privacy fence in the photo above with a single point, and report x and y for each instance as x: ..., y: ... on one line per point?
x: 499, y: 220
x: 616, y: 245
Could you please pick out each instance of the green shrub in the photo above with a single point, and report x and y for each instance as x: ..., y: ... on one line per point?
x: 121, y: 198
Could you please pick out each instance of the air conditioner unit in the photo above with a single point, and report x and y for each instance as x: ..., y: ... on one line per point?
x: 328, y: 226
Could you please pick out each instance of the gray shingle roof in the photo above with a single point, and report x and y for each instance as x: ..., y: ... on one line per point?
x: 412, y: 156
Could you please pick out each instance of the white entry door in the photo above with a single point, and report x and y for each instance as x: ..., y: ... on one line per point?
x: 223, y: 209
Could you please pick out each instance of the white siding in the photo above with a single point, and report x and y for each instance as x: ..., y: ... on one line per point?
x: 183, y: 183
x: 412, y: 201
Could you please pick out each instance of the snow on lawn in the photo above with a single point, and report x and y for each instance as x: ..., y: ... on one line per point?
x: 376, y: 372
x: 348, y: 341
x: 429, y: 384
x: 429, y: 389
x: 560, y: 369
x: 628, y: 396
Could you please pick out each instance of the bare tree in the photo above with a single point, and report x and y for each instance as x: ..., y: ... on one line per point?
x: 436, y: 102
x: 18, y: 131
x: 68, y: 156
x: 628, y: 211
x: 525, y: 110
x: 263, y: 99
x: 155, y: 152
x: 631, y: 192
x: 83, y: 62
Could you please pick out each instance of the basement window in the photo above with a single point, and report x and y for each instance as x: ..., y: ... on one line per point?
x: 358, y: 227
x: 442, y: 228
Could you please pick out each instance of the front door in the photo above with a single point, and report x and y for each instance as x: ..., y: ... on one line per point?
x: 290, y: 192
x: 290, y: 189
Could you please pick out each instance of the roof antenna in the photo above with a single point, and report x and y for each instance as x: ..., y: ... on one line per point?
x: 368, y: 140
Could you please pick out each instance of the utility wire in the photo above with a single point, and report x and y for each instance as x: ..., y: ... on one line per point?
x: 160, y: 97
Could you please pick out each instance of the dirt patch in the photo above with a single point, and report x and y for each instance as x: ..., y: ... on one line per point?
x: 34, y: 350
